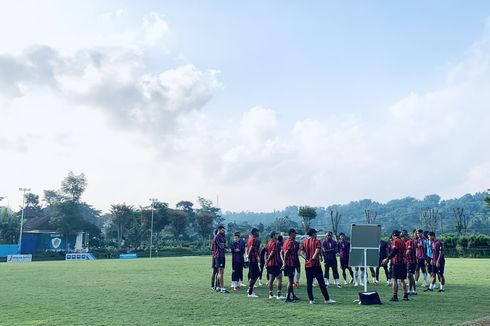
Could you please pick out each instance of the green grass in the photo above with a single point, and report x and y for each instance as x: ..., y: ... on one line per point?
x: 175, y: 291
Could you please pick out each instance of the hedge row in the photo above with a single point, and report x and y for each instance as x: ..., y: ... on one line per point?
x: 466, y: 241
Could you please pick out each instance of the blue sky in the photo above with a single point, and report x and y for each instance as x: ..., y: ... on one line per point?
x: 336, y: 55
x: 308, y: 102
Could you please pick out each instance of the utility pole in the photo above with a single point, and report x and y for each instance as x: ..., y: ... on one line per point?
x: 153, y: 201
x: 24, y: 190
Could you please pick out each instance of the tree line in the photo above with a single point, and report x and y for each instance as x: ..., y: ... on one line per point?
x: 124, y: 226
x: 129, y: 227
x: 459, y: 216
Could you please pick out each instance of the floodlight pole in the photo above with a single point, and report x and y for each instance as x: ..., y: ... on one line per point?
x: 153, y: 201
x: 365, y: 270
x: 24, y: 190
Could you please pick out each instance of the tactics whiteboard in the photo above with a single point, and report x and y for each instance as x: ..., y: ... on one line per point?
x: 364, y: 236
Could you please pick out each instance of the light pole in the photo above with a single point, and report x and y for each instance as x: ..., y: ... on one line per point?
x: 153, y: 201
x: 24, y: 190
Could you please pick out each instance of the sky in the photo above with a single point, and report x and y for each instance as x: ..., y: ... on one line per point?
x: 262, y: 104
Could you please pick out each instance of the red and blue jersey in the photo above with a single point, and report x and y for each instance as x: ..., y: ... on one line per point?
x: 410, y: 258
x: 273, y: 252
x: 330, y: 247
x: 398, y: 248
x: 219, y: 245
x: 437, y: 252
x: 419, y: 248
x: 309, y: 247
x: 289, y: 251
x: 343, y: 247
x: 237, y: 249
x: 253, y: 249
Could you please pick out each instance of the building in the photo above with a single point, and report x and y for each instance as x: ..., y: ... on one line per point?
x: 40, y: 235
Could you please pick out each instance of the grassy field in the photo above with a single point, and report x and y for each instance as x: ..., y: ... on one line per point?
x: 175, y: 291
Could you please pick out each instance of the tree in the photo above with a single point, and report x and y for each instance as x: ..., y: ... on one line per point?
x: 207, y: 207
x: 51, y: 197
x: 73, y: 186
x: 68, y: 218
x: 187, y: 207
x: 9, y: 227
x: 280, y: 224
x: 335, y: 220
x: 92, y: 215
x: 283, y: 224
x: 432, y: 200
x: 260, y: 227
x: 232, y: 227
x: 307, y: 214
x: 178, y: 222
x: 65, y: 206
x: 160, y: 216
x: 204, y: 221
x: 135, y: 233
x: 32, y: 208
x: 243, y: 227
x: 121, y: 215
x: 32, y: 200
x: 487, y: 201
x: 430, y: 218
x: 370, y: 216
x: 460, y: 220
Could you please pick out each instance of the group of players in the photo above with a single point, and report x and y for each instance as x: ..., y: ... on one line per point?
x: 408, y: 258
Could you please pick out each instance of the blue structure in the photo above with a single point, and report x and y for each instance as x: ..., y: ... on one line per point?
x: 39, y: 235
x: 33, y: 241
x: 8, y: 249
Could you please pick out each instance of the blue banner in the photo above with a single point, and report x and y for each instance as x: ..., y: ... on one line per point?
x: 128, y: 256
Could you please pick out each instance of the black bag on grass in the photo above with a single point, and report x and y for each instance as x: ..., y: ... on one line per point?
x: 368, y: 298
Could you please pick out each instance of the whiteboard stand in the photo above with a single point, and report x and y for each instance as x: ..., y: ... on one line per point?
x: 364, y: 250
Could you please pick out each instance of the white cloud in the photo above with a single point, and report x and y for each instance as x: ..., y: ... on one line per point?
x: 154, y: 28
x: 476, y: 64
x: 115, y: 81
x: 256, y: 150
x: 426, y: 142
x: 56, y: 102
x: 18, y: 144
x: 60, y: 103
x: 258, y: 124
x: 477, y: 178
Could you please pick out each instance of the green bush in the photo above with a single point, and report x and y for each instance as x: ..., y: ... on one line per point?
x: 466, y: 241
x: 458, y: 252
x: 450, y: 241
